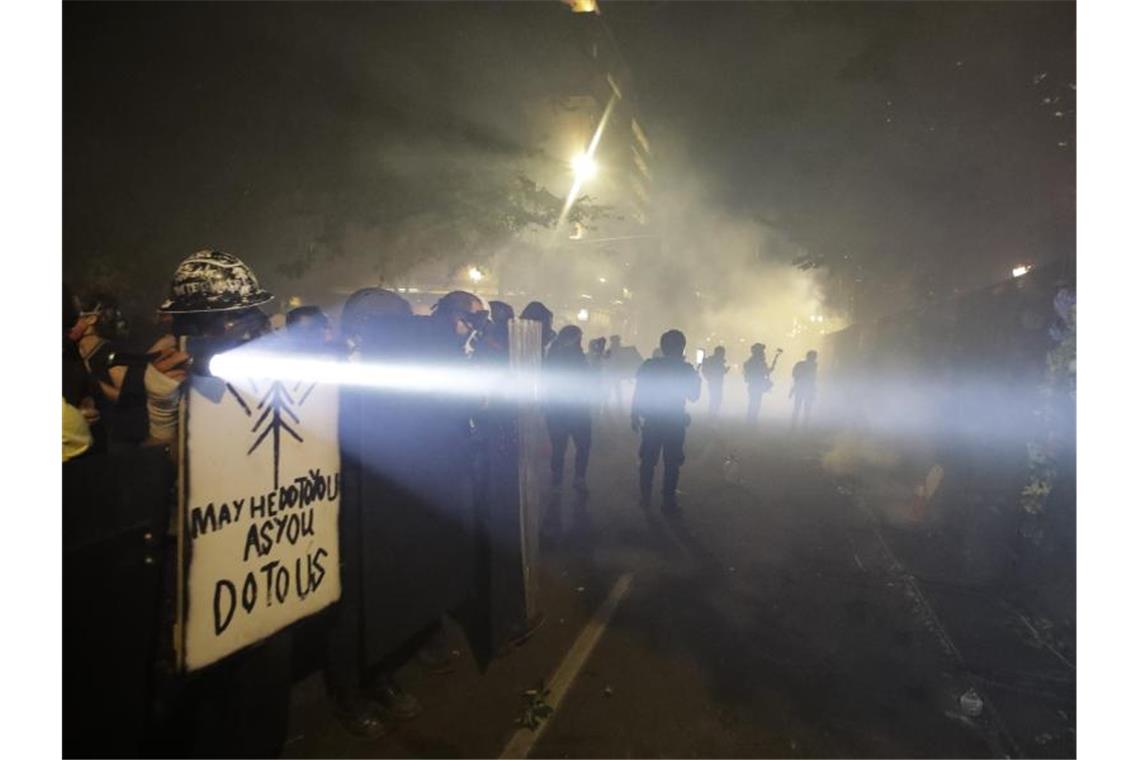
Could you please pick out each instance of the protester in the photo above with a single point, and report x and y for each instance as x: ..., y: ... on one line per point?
x: 803, y: 388
x: 714, y: 368
x: 118, y: 382
x: 79, y: 410
x: 596, y: 359
x: 621, y: 364
x: 214, y: 300
x: 240, y: 706
x: 362, y: 691
x: 664, y: 384
x: 408, y: 481
x: 596, y: 355
x: 309, y: 325
x: 495, y: 341
x: 366, y: 312
x: 537, y: 312
x: 569, y: 389
x: 758, y: 378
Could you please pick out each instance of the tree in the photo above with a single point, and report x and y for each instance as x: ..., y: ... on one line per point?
x: 455, y: 215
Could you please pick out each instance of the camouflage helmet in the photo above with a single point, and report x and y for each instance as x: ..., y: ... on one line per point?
x: 213, y: 281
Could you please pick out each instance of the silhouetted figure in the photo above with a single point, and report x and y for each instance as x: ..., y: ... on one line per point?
x: 758, y: 377
x: 597, y: 353
x: 372, y: 320
x: 714, y: 369
x: 596, y: 359
x: 621, y: 363
x: 308, y: 325
x: 119, y: 390
x: 568, y: 389
x: 537, y: 311
x: 494, y: 344
x: 803, y: 388
x: 664, y: 384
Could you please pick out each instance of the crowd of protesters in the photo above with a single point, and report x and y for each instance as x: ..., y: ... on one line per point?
x: 115, y: 399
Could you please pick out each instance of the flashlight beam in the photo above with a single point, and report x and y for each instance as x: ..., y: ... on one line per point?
x: 440, y: 379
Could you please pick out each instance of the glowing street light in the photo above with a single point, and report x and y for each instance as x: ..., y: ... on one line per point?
x: 474, y: 274
x: 1021, y: 270
x: 585, y: 167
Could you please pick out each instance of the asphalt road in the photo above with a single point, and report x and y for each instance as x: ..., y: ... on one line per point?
x: 773, y: 618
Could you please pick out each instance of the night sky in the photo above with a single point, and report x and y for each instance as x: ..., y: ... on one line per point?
x: 909, y: 133
x: 932, y: 142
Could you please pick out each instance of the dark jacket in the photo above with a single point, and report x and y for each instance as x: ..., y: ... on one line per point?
x: 569, y: 382
x: 663, y: 386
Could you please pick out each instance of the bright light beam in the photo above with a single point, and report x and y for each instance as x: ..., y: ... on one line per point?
x: 972, y: 408
x: 463, y: 379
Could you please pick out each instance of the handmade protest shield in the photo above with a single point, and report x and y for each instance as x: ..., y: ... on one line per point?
x: 533, y: 453
x: 512, y: 456
x: 259, y: 482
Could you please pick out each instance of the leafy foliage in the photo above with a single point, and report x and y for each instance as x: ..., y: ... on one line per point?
x: 456, y: 215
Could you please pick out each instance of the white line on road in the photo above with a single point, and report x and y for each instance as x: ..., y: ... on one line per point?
x: 523, y: 740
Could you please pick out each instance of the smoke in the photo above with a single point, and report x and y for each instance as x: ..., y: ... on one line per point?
x: 853, y: 453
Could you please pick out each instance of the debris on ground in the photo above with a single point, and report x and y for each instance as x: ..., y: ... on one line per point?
x: 537, y: 709
x: 971, y: 703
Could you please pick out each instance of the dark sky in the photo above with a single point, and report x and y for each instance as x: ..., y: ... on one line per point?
x: 915, y: 136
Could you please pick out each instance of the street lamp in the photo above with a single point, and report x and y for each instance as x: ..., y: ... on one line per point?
x: 585, y: 167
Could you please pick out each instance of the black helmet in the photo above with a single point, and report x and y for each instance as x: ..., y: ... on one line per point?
x: 213, y: 281
x: 368, y: 304
x: 458, y: 302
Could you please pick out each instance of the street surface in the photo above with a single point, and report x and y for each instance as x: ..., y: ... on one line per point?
x: 774, y: 618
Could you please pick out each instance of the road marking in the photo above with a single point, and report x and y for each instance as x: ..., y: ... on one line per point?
x: 1044, y: 643
x: 523, y: 740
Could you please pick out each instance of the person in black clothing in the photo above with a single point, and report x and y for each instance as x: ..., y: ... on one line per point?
x: 568, y: 383
x: 758, y: 377
x: 309, y: 325
x: 714, y: 369
x: 803, y: 388
x: 119, y: 390
x: 494, y: 344
x: 79, y: 390
x: 537, y: 312
x: 664, y: 384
